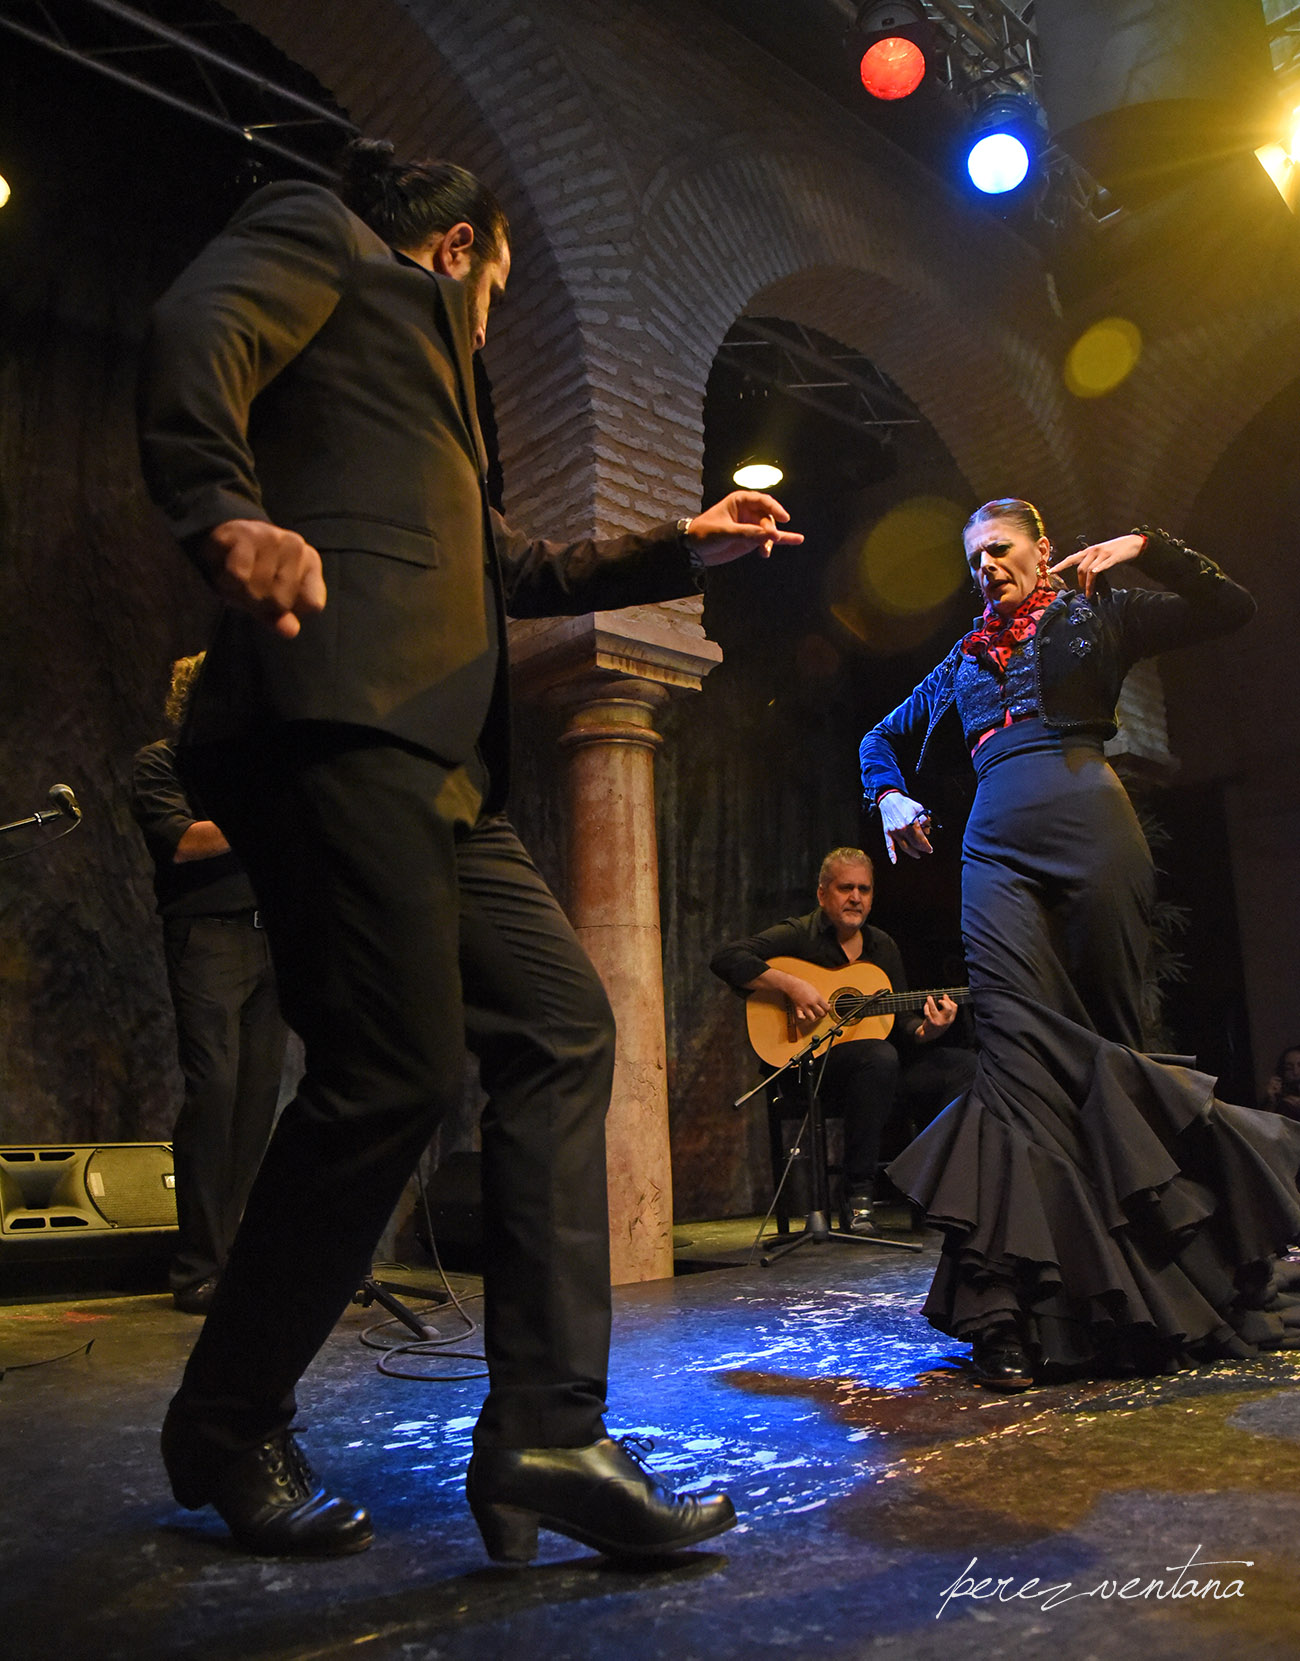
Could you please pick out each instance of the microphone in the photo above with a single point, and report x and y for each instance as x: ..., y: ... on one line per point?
x: 60, y: 795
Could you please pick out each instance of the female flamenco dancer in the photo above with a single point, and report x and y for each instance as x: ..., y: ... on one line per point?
x: 1102, y: 1212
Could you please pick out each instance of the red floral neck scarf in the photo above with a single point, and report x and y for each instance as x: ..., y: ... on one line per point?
x: 997, y: 636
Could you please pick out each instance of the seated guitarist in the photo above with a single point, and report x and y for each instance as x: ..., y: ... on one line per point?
x: 861, y: 1077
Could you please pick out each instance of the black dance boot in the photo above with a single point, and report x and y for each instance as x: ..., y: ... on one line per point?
x: 858, y: 1215
x: 599, y: 1495
x: 267, y: 1496
x: 1001, y: 1361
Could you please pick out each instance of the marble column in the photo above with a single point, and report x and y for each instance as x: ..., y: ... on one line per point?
x: 610, y: 672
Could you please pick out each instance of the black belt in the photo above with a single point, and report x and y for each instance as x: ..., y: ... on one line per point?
x: 250, y: 919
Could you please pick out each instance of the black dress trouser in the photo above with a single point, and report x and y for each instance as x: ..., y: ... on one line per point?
x: 231, y: 1043
x: 403, y: 924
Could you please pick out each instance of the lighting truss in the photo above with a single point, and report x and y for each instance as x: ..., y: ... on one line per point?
x: 990, y: 47
x: 987, y: 47
x: 985, y: 44
x: 818, y: 372
x: 1283, y: 20
x: 196, y: 57
x: 981, y: 43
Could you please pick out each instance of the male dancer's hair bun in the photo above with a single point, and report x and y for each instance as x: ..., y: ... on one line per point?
x: 366, y: 168
x: 407, y: 202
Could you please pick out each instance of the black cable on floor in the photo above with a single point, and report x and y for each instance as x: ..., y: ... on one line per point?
x: 431, y: 1348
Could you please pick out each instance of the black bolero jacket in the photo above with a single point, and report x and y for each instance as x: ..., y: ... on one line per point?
x: 1086, y: 647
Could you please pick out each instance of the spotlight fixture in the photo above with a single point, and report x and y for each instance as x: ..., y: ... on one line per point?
x: 1004, y: 143
x: 757, y: 475
x: 4, y: 190
x: 892, y: 42
x: 1282, y: 163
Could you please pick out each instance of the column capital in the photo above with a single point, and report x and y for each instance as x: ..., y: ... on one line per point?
x: 663, y: 646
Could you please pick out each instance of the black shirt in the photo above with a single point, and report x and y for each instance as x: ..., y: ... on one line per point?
x: 216, y: 887
x: 813, y: 939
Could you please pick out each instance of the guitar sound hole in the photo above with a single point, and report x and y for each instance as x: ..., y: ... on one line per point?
x: 846, y: 1002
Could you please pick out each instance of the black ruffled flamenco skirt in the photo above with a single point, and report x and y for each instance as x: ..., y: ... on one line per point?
x: 1106, y: 1204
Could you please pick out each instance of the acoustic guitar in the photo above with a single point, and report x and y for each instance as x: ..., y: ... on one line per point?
x: 860, y: 991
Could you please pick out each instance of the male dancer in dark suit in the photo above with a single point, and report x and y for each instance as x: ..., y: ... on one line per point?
x: 309, y: 429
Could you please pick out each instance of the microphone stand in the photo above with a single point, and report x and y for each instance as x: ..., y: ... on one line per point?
x: 41, y: 819
x: 32, y: 819
x: 383, y: 1292
x: 66, y: 808
x: 817, y: 1229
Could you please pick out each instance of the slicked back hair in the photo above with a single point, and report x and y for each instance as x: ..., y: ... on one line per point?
x: 1020, y: 513
x: 407, y: 203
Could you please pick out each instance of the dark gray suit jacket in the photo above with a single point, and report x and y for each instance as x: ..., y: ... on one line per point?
x: 301, y: 372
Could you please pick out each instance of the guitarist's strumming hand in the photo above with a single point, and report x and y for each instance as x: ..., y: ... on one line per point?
x: 938, y: 1017
x: 806, y: 1001
x: 905, y: 824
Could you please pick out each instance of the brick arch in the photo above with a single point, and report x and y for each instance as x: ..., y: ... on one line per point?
x: 758, y: 232
x: 640, y: 235
x: 1194, y: 394
x: 482, y: 86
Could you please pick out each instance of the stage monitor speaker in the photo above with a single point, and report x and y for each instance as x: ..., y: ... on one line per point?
x: 85, y: 1217
x: 455, y: 1198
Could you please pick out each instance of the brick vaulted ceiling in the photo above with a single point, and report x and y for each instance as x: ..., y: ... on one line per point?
x: 665, y: 175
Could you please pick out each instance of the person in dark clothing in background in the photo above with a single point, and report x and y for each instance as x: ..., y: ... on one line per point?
x: 1282, y: 1092
x: 230, y: 1035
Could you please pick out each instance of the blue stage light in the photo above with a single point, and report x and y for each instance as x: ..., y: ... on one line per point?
x: 1004, y: 143
x: 997, y: 163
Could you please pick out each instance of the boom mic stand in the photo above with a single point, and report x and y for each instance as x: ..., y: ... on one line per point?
x: 384, y: 1293
x: 817, y: 1229
x: 64, y: 806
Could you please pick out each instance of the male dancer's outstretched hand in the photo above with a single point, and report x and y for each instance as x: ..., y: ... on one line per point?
x: 739, y: 523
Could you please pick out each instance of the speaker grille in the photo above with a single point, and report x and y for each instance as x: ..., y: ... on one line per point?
x: 64, y: 1190
x: 129, y: 1186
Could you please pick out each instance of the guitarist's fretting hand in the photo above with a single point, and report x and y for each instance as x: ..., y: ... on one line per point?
x: 938, y: 1017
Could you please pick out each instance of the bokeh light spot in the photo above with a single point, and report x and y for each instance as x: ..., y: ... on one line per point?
x: 911, y: 559
x: 816, y: 658
x: 1102, y: 357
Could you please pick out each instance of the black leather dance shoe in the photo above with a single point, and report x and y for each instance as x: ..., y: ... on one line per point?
x: 1001, y: 1361
x: 599, y: 1495
x: 196, y: 1299
x: 268, y: 1497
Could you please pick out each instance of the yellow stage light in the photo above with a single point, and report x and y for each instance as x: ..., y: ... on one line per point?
x: 4, y: 190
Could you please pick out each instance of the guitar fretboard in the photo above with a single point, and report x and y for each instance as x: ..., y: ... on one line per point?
x: 848, y: 1002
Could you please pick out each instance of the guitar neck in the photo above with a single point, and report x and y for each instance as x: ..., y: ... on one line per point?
x: 895, y: 1003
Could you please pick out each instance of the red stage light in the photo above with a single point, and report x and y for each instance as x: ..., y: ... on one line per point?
x: 893, y: 67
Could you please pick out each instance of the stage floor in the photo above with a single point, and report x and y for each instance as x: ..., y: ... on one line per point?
x: 888, y: 1507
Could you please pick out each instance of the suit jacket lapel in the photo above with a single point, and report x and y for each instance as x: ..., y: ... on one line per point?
x: 455, y: 313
